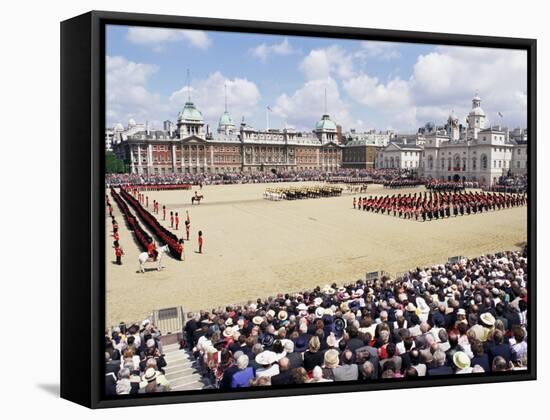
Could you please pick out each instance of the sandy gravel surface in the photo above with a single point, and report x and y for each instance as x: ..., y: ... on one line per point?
x: 255, y: 248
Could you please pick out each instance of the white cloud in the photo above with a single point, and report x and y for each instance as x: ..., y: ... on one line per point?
x: 126, y: 90
x: 264, y: 51
x: 450, y: 76
x: 157, y: 37
x: 445, y: 80
x: 378, y: 49
x: 306, y: 105
x: 327, y: 62
x: 369, y: 91
x: 208, y: 95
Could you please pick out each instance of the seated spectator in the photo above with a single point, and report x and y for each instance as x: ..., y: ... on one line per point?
x: 499, y: 348
x: 391, y: 357
x: 439, y: 366
x: 285, y: 375
x: 499, y: 364
x: 348, y: 371
x: 317, y: 376
x: 313, y: 356
x: 244, y: 375
x: 519, y: 347
x: 266, y: 361
x: 150, y: 383
x: 461, y: 362
x: 416, y: 363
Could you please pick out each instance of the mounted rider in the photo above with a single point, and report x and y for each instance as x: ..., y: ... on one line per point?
x: 152, y: 249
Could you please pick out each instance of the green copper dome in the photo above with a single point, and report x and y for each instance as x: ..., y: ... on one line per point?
x: 226, y: 120
x: 190, y: 113
x: 325, y: 123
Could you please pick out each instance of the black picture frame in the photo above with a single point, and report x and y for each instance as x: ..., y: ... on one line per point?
x: 82, y: 204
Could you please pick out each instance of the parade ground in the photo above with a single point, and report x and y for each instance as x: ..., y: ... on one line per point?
x: 257, y: 248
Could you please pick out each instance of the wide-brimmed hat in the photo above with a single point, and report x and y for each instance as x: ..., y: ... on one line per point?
x: 331, y: 358
x: 257, y: 320
x: 302, y: 307
x: 270, y: 313
x: 300, y: 344
x: 317, y: 301
x: 229, y: 322
x: 266, y: 357
x: 461, y: 360
x: 410, y: 307
x: 329, y: 311
x: 327, y: 290
x: 488, y: 319
x: 319, y: 312
x: 340, y: 325
x: 282, y: 315
x: 150, y: 374
x: 358, y: 293
x: 228, y: 332
x: 461, y: 311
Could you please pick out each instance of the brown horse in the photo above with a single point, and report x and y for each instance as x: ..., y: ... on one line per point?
x: 196, y: 198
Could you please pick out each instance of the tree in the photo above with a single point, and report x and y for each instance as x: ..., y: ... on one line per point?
x: 113, y: 165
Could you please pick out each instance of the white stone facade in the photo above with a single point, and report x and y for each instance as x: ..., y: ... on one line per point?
x: 399, y: 156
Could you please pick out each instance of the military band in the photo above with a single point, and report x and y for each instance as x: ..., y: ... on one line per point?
x: 430, y: 205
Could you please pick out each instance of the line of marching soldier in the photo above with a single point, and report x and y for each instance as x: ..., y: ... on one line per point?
x: 430, y: 205
x: 436, y: 185
x: 401, y: 183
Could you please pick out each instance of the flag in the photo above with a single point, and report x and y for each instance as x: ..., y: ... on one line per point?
x: 269, y: 108
x: 500, y: 114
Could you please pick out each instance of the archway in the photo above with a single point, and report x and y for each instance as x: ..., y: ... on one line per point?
x: 456, y: 178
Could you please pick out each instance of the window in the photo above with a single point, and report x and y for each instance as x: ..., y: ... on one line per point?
x: 483, y: 162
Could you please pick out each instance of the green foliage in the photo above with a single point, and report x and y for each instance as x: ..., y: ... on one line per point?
x: 114, y: 165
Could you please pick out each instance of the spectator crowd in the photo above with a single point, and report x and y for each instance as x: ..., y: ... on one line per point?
x: 175, y: 180
x: 465, y: 317
x: 134, y: 363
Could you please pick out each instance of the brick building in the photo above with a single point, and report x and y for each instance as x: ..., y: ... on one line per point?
x: 191, y: 148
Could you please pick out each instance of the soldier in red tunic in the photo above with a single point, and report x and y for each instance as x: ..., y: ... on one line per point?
x: 118, y: 255
x: 171, y: 219
x: 152, y: 249
x: 177, y: 220
x: 163, y: 212
x: 200, y: 240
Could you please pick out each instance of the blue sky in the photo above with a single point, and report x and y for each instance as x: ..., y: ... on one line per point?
x: 369, y: 84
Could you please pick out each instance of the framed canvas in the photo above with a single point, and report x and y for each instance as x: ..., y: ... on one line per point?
x: 258, y: 209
